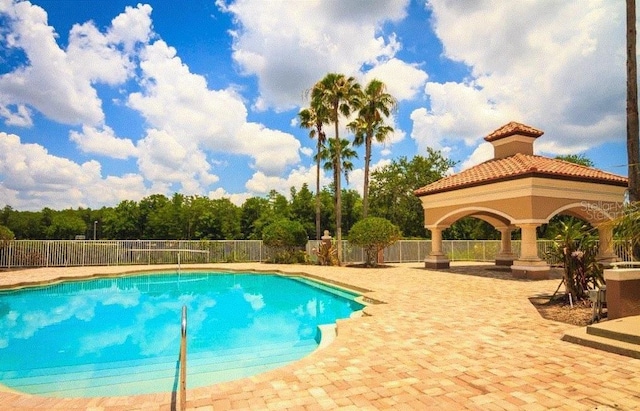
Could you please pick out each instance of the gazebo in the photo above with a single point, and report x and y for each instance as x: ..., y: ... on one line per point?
x: 517, y: 189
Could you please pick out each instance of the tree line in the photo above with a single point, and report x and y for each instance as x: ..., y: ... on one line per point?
x: 184, y: 217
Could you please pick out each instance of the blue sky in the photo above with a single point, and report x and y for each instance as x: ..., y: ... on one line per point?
x: 104, y: 101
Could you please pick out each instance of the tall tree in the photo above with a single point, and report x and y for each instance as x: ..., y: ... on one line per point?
x: 122, y: 222
x: 633, y: 145
x: 392, y: 189
x: 313, y: 118
x: 580, y: 159
x: 252, y: 217
x: 376, y: 106
x: 339, y: 95
x: 302, y: 208
x: 330, y: 156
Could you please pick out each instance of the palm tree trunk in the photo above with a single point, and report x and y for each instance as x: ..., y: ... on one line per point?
x: 318, y: 234
x: 338, y: 178
x: 633, y: 149
x: 365, y: 191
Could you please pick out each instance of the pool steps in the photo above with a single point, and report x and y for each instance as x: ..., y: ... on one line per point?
x: 145, y: 376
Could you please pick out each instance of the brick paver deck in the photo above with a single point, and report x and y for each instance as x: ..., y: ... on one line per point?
x: 467, y: 339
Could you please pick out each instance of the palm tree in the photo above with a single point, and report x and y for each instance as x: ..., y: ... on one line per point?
x: 313, y: 119
x: 633, y: 149
x: 328, y: 155
x: 374, y: 106
x: 339, y: 95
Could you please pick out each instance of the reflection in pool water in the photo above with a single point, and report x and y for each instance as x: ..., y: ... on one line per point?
x: 121, y: 336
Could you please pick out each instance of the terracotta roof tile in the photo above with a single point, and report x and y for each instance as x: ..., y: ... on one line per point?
x: 511, y: 129
x: 520, y: 166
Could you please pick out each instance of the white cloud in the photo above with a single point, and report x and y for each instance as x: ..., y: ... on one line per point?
x: 291, y: 45
x: 261, y: 184
x: 131, y: 27
x: 558, y: 66
x: 272, y: 150
x: 164, y: 160
x: 16, y: 115
x: 104, y: 142
x: 188, y: 118
x: 458, y: 113
x: 58, y: 82
x: 356, y: 180
x: 481, y: 154
x: 33, y: 177
x: 307, y: 152
x: 404, y: 81
x: 237, y: 198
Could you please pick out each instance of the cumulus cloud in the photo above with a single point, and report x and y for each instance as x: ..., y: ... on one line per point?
x: 481, y: 154
x: 261, y: 184
x: 104, y: 142
x: 57, y: 82
x: 236, y: 198
x: 189, y: 119
x: 404, y: 81
x: 33, y: 177
x: 164, y: 160
x: 558, y: 66
x: 291, y: 45
x: 459, y: 113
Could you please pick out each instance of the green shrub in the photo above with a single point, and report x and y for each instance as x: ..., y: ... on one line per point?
x: 373, y: 234
x: 6, y: 236
x: 577, y: 247
x: 287, y: 238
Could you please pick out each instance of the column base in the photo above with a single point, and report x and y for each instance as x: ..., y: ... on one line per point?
x: 506, y: 259
x: 607, y: 260
x: 530, y: 270
x: 504, y: 263
x: 436, y: 261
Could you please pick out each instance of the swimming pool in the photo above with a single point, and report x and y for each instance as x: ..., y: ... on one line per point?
x: 121, y: 335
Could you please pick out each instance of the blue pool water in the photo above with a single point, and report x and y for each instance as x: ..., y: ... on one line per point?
x: 121, y: 336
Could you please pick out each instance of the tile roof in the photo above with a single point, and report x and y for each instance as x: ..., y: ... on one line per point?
x: 511, y: 129
x: 520, y: 166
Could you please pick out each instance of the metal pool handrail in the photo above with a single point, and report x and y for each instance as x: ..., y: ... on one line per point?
x: 183, y: 360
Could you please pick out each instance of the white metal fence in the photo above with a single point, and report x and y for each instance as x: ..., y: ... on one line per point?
x: 60, y: 253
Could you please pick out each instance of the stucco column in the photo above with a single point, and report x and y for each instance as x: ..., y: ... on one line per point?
x: 529, y: 245
x: 436, y: 259
x: 506, y: 255
x: 529, y: 264
x: 606, y: 255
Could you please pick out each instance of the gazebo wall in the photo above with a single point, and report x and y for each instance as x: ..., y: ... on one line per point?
x: 531, y: 199
x: 525, y: 203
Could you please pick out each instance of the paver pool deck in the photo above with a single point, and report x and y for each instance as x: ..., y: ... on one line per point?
x: 467, y: 338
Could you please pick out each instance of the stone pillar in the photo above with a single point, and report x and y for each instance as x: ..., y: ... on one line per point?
x: 529, y: 265
x: 606, y: 255
x: 506, y: 255
x: 436, y: 259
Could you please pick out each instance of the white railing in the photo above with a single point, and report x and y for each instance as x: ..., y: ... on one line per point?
x: 69, y: 253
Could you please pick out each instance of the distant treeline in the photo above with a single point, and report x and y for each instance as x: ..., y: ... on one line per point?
x: 195, y: 217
